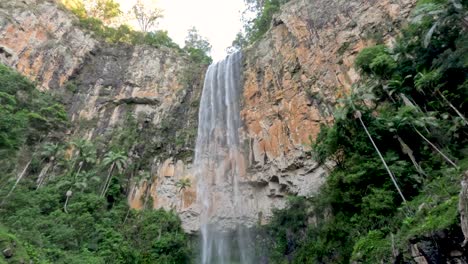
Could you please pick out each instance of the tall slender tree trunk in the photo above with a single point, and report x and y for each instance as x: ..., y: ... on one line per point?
x: 68, y: 194
x: 408, y: 102
x: 182, y: 194
x: 78, y: 172
x: 43, y: 174
x: 108, y: 180
x: 359, y: 116
x: 149, y: 185
x: 435, y: 148
x: 453, y: 107
x: 126, y: 216
x: 18, y: 179
x: 408, y: 151
x: 79, y: 168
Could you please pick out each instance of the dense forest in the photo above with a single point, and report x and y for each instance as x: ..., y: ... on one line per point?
x: 397, y: 151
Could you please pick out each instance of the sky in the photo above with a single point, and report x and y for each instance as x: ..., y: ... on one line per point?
x: 216, y: 20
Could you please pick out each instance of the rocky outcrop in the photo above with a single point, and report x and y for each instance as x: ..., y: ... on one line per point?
x: 447, y: 245
x: 41, y: 42
x: 294, y: 77
x: 98, y: 82
x: 118, y: 79
x: 164, y: 193
x: 7, y: 253
x: 444, y: 246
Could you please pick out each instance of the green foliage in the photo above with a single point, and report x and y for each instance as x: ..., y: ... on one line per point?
x: 90, y: 231
x: 372, y: 248
x: 286, y: 225
x: 425, y: 2
x: 256, y: 28
x: 197, y: 47
x: 119, y: 159
x: 439, y: 217
x: 376, y: 60
x: 183, y: 184
x: 94, y: 21
x: 159, y: 237
x: 26, y: 114
x: 10, y: 241
x: 106, y: 10
x: 412, y: 100
x: 426, y: 80
x: 75, y: 6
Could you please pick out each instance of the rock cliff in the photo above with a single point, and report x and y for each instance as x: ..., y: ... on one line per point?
x: 297, y: 72
x: 292, y: 79
x: 107, y: 86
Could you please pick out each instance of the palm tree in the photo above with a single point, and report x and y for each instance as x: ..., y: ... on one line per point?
x: 85, y: 154
x: 413, y: 115
x: 405, y: 118
x: 113, y: 159
x: 358, y: 115
x: 431, y: 80
x: 364, y: 96
x: 68, y: 195
x: 80, y: 181
x: 183, y: 184
x: 441, y: 14
x: 86, y: 151
x: 69, y: 192
x: 18, y: 179
x: 410, y: 116
x: 50, y: 151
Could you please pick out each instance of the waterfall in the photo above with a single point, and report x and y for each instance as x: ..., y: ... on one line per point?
x: 219, y: 165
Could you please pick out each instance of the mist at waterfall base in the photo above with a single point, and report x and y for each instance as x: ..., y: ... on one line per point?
x: 219, y: 164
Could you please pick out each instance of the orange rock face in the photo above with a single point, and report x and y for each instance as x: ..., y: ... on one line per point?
x: 295, y: 75
x: 164, y: 193
x: 42, y: 42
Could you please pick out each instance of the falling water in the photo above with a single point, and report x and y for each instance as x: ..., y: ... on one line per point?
x: 219, y: 165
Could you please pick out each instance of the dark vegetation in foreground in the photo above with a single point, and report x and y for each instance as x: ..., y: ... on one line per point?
x: 413, y: 102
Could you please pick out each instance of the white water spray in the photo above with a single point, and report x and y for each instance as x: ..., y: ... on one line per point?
x: 219, y: 165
